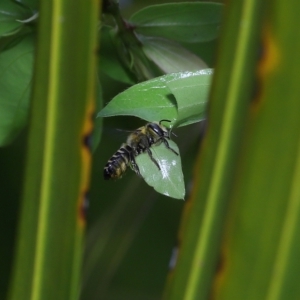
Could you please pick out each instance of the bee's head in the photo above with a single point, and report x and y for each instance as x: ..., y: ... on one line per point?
x: 158, y: 129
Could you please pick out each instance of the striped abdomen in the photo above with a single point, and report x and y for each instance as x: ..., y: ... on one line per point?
x: 119, y: 162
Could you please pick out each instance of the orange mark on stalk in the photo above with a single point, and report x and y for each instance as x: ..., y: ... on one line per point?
x: 86, y: 159
x: 222, y: 270
x: 270, y: 56
x: 267, y: 65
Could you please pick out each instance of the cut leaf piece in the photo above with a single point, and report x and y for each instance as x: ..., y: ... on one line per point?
x: 169, y: 180
x: 191, y: 93
x: 16, y: 66
x: 153, y: 100
x: 182, y: 22
x: 169, y: 56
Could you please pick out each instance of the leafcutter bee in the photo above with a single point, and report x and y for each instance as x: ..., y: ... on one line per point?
x: 139, y: 141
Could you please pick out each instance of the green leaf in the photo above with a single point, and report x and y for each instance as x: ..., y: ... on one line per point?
x: 109, y: 61
x: 169, y: 56
x: 150, y: 100
x: 169, y: 180
x: 191, y: 92
x: 154, y: 99
x: 15, y: 78
x: 182, y: 22
x: 32, y: 4
x: 10, y: 15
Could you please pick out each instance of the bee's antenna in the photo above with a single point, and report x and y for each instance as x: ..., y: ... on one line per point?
x: 164, y: 121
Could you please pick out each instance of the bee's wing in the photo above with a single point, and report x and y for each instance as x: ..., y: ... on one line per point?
x: 119, y: 135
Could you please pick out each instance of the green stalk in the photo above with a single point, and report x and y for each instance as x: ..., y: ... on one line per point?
x: 231, y: 91
x: 49, y: 245
x: 262, y: 240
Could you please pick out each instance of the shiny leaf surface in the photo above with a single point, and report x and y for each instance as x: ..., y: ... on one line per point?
x: 153, y: 99
x: 169, y: 179
x: 191, y: 93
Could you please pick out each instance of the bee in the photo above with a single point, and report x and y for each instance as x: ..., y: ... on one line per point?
x: 119, y: 162
x: 139, y: 141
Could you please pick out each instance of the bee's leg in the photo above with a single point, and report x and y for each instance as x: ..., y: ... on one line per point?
x: 152, y: 158
x: 167, y: 145
x: 134, y: 165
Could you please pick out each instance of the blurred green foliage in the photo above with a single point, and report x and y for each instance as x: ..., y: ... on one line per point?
x: 131, y: 229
